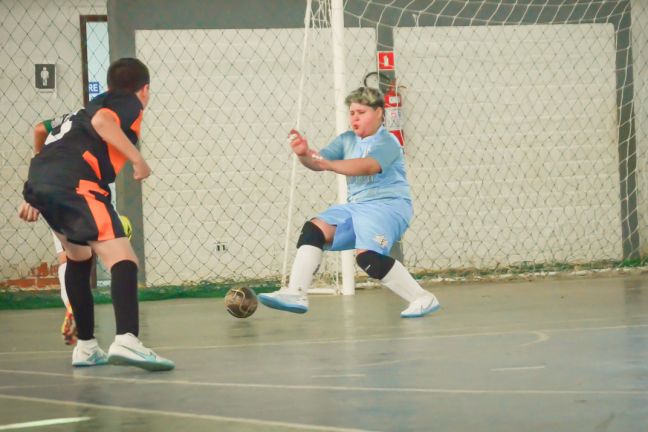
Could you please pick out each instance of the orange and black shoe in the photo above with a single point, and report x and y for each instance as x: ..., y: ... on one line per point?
x: 68, y: 328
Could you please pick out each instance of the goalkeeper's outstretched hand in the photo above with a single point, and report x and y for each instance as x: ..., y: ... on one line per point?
x: 298, y: 143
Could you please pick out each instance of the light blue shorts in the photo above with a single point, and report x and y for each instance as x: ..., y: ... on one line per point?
x: 372, y: 225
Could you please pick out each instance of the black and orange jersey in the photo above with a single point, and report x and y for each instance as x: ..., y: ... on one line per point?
x: 73, y: 149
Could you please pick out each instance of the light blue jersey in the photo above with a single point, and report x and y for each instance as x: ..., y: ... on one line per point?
x: 391, y: 182
x: 380, y: 206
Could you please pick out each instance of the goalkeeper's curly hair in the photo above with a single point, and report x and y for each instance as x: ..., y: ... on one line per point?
x: 366, y: 96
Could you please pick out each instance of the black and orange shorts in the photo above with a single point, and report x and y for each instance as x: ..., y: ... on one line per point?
x: 82, y: 214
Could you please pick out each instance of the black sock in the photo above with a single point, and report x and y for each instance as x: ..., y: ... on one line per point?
x: 77, y: 286
x: 123, y: 289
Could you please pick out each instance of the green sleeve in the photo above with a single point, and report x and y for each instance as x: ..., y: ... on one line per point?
x: 48, y: 125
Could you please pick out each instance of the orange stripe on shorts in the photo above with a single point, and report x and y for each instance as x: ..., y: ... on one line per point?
x: 97, y: 208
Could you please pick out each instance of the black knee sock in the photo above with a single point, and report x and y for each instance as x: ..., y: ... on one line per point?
x: 123, y: 289
x: 77, y: 286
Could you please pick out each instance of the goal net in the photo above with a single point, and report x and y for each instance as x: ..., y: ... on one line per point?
x: 519, y: 135
x: 522, y: 133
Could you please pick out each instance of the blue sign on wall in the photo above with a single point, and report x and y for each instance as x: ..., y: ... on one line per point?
x: 94, y: 88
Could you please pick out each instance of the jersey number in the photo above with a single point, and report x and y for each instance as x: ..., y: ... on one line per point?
x: 62, y: 130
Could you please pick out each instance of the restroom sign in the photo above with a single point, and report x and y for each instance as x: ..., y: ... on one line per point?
x: 45, y: 77
x: 386, y: 60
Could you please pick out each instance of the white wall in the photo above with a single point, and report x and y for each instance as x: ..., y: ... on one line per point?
x: 511, y: 144
x: 33, y: 31
x: 216, y: 137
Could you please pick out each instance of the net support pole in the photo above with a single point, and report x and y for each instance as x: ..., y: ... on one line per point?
x: 293, y: 170
x: 337, y: 30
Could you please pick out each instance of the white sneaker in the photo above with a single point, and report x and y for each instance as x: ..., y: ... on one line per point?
x: 128, y: 350
x: 295, y: 303
x: 88, y: 353
x: 421, y: 307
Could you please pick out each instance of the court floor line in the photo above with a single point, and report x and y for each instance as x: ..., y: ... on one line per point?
x: 635, y: 392
x: 17, y: 359
x: 41, y: 386
x: 256, y: 422
x: 14, y: 353
x: 364, y: 340
x: 404, y: 338
x: 47, y: 422
x: 540, y: 337
x: 386, y: 362
x: 518, y: 368
x: 339, y: 376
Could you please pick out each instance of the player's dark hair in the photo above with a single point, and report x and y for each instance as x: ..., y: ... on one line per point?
x: 127, y: 74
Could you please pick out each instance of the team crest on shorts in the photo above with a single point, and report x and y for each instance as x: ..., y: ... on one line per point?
x: 381, y: 240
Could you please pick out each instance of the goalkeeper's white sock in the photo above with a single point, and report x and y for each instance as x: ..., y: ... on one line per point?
x: 401, y: 282
x: 306, y: 264
x: 61, y: 277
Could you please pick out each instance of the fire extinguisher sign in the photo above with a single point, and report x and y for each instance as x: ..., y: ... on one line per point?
x: 386, y: 60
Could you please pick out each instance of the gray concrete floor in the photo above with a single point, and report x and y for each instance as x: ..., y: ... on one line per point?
x: 553, y: 355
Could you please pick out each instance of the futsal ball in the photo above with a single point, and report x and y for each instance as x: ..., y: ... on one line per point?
x: 128, y: 228
x: 241, y: 302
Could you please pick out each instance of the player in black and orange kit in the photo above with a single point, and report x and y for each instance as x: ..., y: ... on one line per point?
x: 68, y: 328
x: 68, y: 184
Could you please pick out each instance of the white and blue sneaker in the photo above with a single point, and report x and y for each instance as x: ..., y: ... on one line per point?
x: 421, y: 307
x: 128, y: 350
x: 295, y: 303
x: 87, y: 353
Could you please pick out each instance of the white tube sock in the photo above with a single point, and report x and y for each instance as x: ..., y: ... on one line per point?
x: 91, y: 343
x: 306, y: 264
x: 61, y: 277
x: 401, y: 282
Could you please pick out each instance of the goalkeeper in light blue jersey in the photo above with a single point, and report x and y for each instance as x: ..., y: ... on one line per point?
x: 378, y: 211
